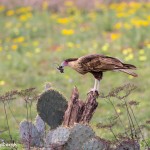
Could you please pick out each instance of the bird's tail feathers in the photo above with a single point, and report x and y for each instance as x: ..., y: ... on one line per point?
x: 129, y: 66
x: 128, y: 71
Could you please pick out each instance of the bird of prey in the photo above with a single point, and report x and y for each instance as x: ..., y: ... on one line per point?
x: 96, y: 64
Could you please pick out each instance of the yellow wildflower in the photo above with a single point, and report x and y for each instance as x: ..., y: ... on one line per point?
x: 54, y: 16
x: 148, y: 45
x: 131, y: 11
x: 143, y: 58
x: 45, y: 5
x: 67, y: 77
x: 2, y: 82
x: 35, y: 43
x: 37, y: 50
x: 70, y: 44
x: 16, y: 31
x: 25, y: 17
x: 68, y: 3
x: 25, y: 44
x: 127, y: 26
x: 135, y: 5
x: 2, y: 8
x: 63, y: 20
x: 8, y: 24
x: 139, y: 22
x: 23, y: 10
x: 122, y: 15
x: 67, y: 31
x: 10, y: 12
x: 9, y: 57
x: 127, y: 51
x: 115, y: 36
x: 118, y: 25
x: 29, y: 54
x: 141, y: 52
x: 129, y: 57
x: 105, y: 47
x: 130, y: 77
x: 148, y: 17
x: 92, y: 15
x: 14, y: 47
x: 118, y: 110
x: 119, y: 7
x: 1, y: 48
x: 19, y: 39
x: 101, y: 6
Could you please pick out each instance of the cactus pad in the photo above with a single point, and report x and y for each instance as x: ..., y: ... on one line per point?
x: 29, y: 134
x: 51, y: 107
x: 60, y: 135
x: 40, y: 125
x: 80, y: 133
x: 49, y: 139
x: 95, y: 144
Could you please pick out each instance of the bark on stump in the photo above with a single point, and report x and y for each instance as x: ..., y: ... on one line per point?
x: 79, y: 111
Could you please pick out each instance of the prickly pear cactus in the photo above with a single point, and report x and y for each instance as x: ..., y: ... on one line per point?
x: 80, y: 133
x: 60, y: 135
x: 40, y: 125
x: 128, y: 145
x: 51, y: 107
x: 48, y: 140
x: 29, y: 134
x: 95, y: 144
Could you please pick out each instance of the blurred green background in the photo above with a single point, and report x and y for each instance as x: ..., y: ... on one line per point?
x: 36, y: 36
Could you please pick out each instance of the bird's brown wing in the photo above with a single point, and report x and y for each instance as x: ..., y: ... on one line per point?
x: 99, y: 63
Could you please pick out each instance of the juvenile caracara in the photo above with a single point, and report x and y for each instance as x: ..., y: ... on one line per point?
x: 97, y: 64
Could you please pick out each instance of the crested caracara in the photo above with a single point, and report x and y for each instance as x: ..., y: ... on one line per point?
x: 96, y: 64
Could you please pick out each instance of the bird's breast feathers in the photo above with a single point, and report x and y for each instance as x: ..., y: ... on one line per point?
x: 76, y: 65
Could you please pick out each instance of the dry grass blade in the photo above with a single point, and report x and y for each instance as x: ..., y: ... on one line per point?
x: 134, y: 131
x: 133, y: 103
x: 105, y: 126
x: 120, y: 92
x: 11, y: 95
x: 8, y: 96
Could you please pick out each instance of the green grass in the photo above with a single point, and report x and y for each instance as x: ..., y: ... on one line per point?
x: 34, y: 60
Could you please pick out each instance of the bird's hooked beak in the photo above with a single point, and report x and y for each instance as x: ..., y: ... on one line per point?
x: 61, y: 67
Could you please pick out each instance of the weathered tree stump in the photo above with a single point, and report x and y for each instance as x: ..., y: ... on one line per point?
x: 79, y: 111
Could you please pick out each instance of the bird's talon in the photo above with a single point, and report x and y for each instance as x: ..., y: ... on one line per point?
x: 93, y: 92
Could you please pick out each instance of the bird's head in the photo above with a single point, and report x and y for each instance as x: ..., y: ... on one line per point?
x: 65, y: 63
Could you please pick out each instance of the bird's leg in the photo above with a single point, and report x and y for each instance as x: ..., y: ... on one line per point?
x: 98, y: 85
x: 95, y: 85
x: 94, y: 88
x: 99, y: 78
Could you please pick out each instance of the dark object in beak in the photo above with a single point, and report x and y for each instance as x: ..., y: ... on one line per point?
x: 61, y: 69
